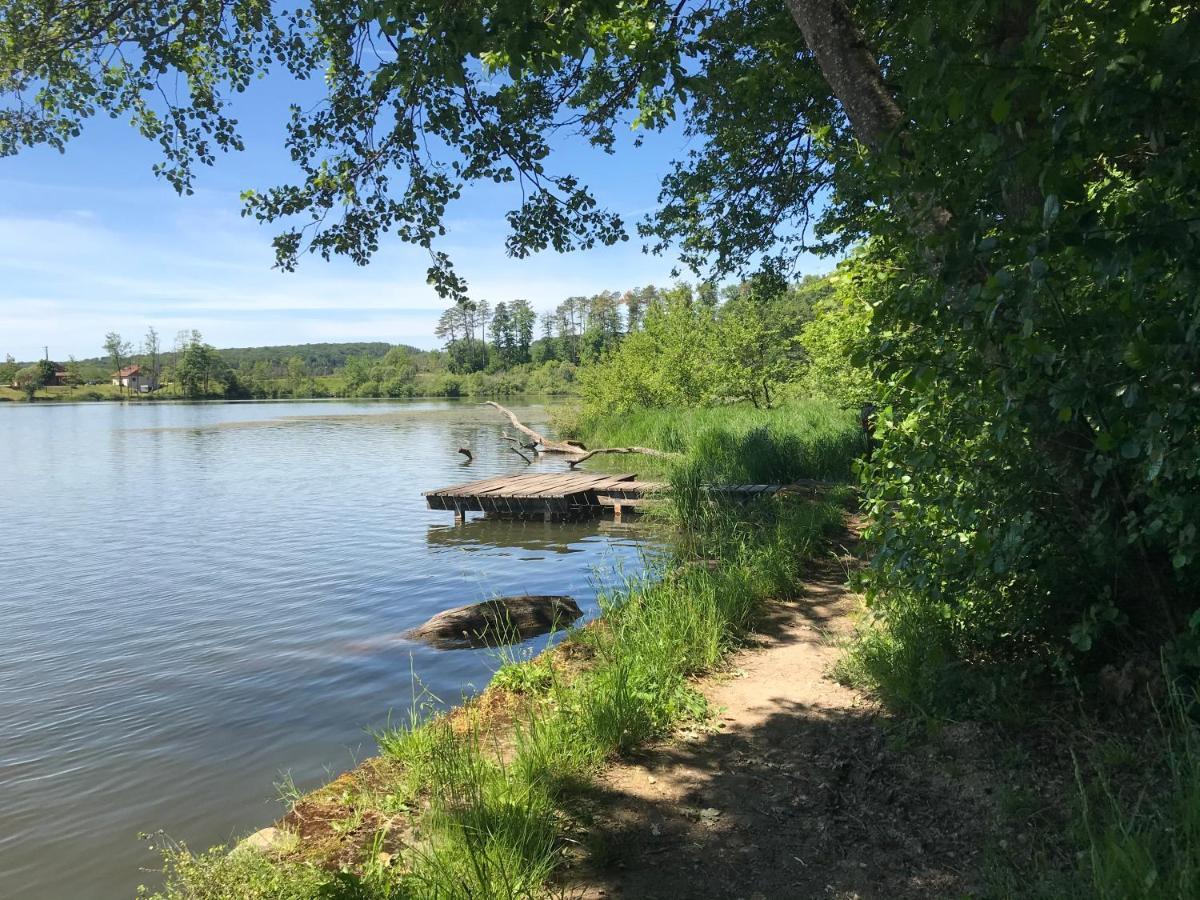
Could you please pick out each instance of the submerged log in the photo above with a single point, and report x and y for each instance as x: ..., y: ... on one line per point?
x: 545, y: 444
x: 504, y: 620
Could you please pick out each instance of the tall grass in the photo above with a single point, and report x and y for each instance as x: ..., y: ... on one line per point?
x: 491, y: 801
x: 1145, y: 842
x: 736, y: 444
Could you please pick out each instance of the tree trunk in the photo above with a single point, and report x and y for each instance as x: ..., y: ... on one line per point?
x: 853, y: 74
x: 849, y: 67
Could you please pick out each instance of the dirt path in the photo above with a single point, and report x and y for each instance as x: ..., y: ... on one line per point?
x: 798, y: 793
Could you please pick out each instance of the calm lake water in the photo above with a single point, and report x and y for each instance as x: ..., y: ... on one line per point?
x: 197, y: 598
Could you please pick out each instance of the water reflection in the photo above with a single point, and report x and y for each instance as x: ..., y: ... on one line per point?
x: 562, y: 537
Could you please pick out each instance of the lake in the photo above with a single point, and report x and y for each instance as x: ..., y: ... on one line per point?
x: 198, y: 598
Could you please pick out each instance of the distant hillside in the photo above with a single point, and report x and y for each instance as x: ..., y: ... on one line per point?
x: 319, y: 359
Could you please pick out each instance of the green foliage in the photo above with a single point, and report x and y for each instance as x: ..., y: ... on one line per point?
x: 220, y: 875
x: 316, y: 359
x: 753, y: 355
x: 524, y: 676
x: 732, y: 444
x: 200, y: 371
x: 8, y: 370
x: 512, y: 331
x: 837, y: 344
x: 58, y: 71
x: 689, y: 353
x: 1038, y: 486
x: 668, y: 362
x: 29, y: 379
x: 118, y: 350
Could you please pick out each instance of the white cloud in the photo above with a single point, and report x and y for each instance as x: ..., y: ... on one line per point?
x: 66, y: 278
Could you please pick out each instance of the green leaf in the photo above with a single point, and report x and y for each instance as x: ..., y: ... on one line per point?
x: 1000, y: 109
x: 922, y: 29
x: 956, y: 105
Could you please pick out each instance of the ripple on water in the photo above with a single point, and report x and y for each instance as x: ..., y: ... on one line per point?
x: 200, y: 597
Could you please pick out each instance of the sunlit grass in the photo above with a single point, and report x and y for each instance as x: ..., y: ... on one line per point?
x: 736, y: 444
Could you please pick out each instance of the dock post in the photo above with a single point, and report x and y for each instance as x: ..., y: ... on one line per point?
x: 616, y: 512
x: 460, y: 517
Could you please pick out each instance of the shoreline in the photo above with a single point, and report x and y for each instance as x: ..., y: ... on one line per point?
x: 67, y: 401
x: 542, y: 729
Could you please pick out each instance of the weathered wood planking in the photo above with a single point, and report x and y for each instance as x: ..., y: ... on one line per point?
x: 568, y: 494
x: 548, y: 494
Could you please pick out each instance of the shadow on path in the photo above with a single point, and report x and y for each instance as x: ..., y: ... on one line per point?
x: 798, y: 793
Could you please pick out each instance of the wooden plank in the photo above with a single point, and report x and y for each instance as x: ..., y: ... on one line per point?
x: 641, y: 487
x: 569, y: 484
x: 475, y: 487
x: 567, y: 493
x: 614, y: 481
x: 514, y: 485
x: 507, y: 487
x: 458, y: 489
x: 545, y: 483
x: 530, y: 486
x: 604, y: 500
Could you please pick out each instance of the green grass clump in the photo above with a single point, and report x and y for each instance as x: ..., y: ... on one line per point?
x: 222, y: 875
x: 1145, y: 843
x: 528, y: 676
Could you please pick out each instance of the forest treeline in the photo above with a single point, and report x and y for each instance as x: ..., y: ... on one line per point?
x: 746, y: 331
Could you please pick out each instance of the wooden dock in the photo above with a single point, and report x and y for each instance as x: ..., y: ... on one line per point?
x: 565, y: 495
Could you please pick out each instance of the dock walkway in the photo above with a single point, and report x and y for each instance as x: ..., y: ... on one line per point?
x: 559, y: 495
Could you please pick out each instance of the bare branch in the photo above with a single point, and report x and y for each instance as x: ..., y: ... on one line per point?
x: 645, y: 451
x: 546, y: 445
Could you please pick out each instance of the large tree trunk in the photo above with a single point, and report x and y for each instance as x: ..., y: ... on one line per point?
x: 849, y: 66
x: 853, y: 74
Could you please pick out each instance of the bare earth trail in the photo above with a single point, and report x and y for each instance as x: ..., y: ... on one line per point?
x: 799, y: 792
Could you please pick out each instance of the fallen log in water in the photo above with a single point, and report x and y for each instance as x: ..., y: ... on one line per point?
x: 574, y: 448
x: 545, y: 444
x: 503, y: 620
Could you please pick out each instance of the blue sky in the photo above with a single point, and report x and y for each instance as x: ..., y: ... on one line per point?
x: 91, y: 242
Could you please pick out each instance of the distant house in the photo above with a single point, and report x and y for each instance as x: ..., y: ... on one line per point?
x: 135, y: 378
x: 60, y: 378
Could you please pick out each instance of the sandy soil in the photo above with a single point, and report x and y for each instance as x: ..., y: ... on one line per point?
x: 799, y: 791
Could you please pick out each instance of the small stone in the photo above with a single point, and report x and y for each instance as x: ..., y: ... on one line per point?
x: 262, y: 840
x: 709, y: 813
x: 652, y: 780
